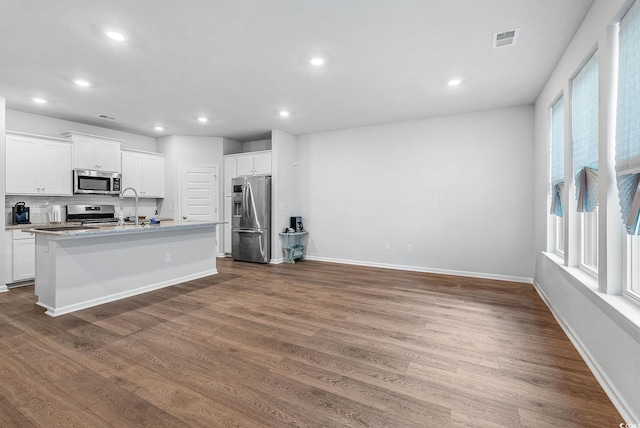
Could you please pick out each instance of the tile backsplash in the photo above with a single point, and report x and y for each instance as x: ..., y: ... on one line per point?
x: 39, y: 205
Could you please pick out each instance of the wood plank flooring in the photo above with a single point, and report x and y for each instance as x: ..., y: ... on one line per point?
x: 311, y: 344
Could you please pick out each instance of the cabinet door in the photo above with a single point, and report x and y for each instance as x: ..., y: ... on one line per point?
x: 23, y: 164
x: 55, y: 172
x: 84, y: 153
x: 24, y: 259
x: 94, y: 153
x: 262, y: 163
x: 108, y: 156
x: 230, y: 172
x: 132, y: 170
x: 153, y: 176
x: 227, y: 226
x: 244, y: 165
x: 7, y: 274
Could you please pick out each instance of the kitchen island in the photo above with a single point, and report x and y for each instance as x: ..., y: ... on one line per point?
x: 84, y: 267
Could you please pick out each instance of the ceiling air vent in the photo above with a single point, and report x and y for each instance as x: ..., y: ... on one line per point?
x: 506, y: 38
x: 104, y: 116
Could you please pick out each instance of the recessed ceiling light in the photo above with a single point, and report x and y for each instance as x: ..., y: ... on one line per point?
x: 454, y: 82
x: 203, y: 119
x: 284, y: 113
x: 317, y: 61
x: 159, y: 128
x: 39, y: 100
x: 114, y: 35
x: 82, y: 82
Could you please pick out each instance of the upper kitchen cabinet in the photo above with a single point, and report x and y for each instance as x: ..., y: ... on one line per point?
x: 144, y: 172
x: 95, y: 152
x: 253, y: 163
x: 37, y: 165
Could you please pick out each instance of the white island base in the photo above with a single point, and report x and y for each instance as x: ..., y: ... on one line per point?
x: 79, y: 270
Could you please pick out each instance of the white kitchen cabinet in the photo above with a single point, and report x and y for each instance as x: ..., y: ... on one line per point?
x: 253, y: 163
x: 37, y: 165
x: 230, y: 172
x: 244, y: 165
x: 144, y: 172
x: 262, y: 163
x: 23, y: 256
x: 95, y: 152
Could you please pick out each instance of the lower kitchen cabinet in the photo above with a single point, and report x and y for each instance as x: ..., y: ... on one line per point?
x: 23, y: 256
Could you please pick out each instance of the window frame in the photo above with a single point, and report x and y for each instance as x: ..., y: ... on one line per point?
x: 589, y: 240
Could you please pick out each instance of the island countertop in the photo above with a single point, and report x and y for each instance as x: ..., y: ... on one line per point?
x: 79, y: 231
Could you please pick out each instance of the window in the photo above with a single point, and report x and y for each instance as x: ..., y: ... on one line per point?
x: 584, y: 128
x: 633, y: 266
x: 589, y: 240
x: 559, y: 247
x: 557, y: 171
x: 628, y: 140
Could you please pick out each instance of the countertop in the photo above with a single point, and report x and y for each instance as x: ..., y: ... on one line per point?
x: 31, y: 225
x: 110, y: 230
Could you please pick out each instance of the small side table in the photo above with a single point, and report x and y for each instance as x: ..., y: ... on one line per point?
x: 293, y: 249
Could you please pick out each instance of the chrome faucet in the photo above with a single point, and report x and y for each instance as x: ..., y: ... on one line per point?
x: 122, y: 201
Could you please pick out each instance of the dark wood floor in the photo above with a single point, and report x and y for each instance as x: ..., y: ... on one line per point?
x: 311, y: 344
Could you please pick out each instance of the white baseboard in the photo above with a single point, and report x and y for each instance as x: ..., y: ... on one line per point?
x: 3, y: 288
x: 481, y: 275
x: 600, y: 375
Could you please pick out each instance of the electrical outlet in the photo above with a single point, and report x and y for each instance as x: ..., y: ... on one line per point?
x: 387, y: 246
x: 167, y: 258
x: 409, y: 248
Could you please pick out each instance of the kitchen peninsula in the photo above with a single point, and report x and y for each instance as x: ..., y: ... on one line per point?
x: 77, y: 268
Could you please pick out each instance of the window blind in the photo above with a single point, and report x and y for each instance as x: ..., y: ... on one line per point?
x: 557, y: 156
x: 627, y: 123
x: 584, y: 128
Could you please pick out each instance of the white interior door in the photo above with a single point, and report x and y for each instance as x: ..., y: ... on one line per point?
x: 199, y: 193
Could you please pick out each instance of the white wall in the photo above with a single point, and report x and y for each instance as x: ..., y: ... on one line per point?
x: 285, y: 187
x: 602, y: 326
x: 52, y: 127
x: 458, y: 189
x: 257, y: 145
x: 181, y: 149
x: 231, y: 146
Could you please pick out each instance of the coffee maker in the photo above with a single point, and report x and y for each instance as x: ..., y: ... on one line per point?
x: 20, y: 214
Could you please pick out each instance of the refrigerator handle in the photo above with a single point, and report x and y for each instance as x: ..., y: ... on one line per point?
x: 250, y: 231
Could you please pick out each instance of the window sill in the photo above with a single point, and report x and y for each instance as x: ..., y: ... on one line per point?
x: 623, y: 310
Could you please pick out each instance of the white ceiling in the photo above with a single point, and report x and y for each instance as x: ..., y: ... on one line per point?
x: 241, y: 61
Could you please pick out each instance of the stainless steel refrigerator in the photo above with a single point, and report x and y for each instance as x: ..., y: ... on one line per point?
x: 251, y: 219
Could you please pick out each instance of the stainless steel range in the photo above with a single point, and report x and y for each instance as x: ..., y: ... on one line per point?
x: 92, y: 214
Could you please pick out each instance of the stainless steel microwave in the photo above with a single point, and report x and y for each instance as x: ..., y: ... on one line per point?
x: 86, y: 181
